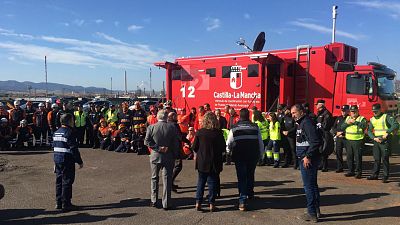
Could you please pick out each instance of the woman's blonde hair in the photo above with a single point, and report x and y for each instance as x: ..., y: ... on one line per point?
x: 210, y: 121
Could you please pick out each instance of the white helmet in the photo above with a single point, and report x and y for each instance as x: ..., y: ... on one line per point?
x: 1, y: 104
x: 17, y: 102
x: 4, y: 120
x: 41, y: 104
x: 48, y: 101
x: 54, y: 105
x: 23, y: 122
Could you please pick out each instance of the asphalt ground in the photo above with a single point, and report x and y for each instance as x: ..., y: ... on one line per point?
x: 114, y: 188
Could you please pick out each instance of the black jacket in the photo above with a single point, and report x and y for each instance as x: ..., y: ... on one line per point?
x: 307, y: 132
x: 209, y: 146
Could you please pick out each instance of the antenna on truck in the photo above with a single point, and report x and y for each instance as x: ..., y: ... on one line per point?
x: 258, y: 43
x: 334, y: 14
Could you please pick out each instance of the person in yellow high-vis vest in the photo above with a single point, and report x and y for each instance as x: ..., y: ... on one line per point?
x: 263, y: 125
x: 112, y: 115
x: 380, y: 130
x: 81, y: 119
x: 354, y: 127
x: 273, y: 148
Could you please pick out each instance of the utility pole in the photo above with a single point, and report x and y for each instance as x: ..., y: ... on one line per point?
x: 111, y: 87
x: 126, y: 84
x: 45, y: 70
x: 150, y: 80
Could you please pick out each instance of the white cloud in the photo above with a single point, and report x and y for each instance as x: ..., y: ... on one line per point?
x: 326, y: 30
x: 110, y: 38
x: 116, y: 23
x: 246, y: 16
x: 98, y: 21
x: 390, y: 7
x: 79, y: 22
x: 11, y: 33
x: 212, y: 23
x: 65, y: 24
x: 117, y: 54
x: 134, y: 27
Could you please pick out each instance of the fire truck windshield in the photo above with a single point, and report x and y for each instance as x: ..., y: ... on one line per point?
x: 386, y: 86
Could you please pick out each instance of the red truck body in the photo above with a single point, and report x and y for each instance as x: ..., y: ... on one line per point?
x: 264, y: 79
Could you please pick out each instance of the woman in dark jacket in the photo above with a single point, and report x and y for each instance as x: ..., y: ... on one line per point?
x: 209, y: 144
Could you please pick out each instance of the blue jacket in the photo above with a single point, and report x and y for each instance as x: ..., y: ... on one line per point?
x: 308, y: 140
x: 65, y: 146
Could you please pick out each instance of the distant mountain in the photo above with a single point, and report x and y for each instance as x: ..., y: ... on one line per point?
x: 15, y: 86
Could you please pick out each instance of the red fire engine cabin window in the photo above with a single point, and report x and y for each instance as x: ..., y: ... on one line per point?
x: 226, y: 72
x: 252, y: 70
x: 212, y: 72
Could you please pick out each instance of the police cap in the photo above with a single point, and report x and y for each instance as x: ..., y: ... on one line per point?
x: 376, y: 107
x: 322, y: 101
x: 345, y: 107
x: 353, y: 108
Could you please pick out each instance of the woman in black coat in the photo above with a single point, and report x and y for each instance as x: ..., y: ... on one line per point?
x: 209, y: 144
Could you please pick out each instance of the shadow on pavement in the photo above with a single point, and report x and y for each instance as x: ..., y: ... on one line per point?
x: 364, y: 214
x: 21, y: 216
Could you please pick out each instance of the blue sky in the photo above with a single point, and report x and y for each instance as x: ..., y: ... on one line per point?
x: 87, y: 42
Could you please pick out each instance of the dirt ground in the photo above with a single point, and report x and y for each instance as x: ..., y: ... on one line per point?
x: 113, y: 188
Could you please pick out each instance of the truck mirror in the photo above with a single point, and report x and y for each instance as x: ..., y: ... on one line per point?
x: 343, y: 67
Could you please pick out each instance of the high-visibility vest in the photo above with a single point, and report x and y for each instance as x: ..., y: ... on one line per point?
x: 275, y: 131
x: 225, y: 132
x: 353, y: 132
x: 380, y: 126
x: 112, y: 116
x: 264, y: 129
x: 80, y: 119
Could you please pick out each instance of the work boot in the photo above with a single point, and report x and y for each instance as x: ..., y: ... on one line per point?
x: 349, y: 174
x: 58, y: 206
x: 276, y: 165
x: 324, y: 170
x: 385, y: 180
x: 70, y: 207
x: 339, y: 171
x: 285, y: 165
x: 372, y: 177
x: 358, y: 176
x: 308, y: 217
x: 198, y: 206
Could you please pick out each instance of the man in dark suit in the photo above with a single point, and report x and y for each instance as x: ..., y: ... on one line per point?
x: 161, y: 138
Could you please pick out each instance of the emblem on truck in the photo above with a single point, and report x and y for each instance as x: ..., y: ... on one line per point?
x: 236, y: 77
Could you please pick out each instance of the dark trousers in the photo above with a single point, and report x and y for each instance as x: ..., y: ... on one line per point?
x: 289, y: 147
x: 90, y: 135
x: 4, y: 143
x: 24, y: 138
x: 80, y: 135
x: 212, y: 182
x: 65, y: 176
x: 123, y: 147
x: 177, y: 169
x: 95, y: 142
x: 40, y: 135
x: 381, y: 151
x: 310, y: 182
x: 245, y: 175
x: 105, y: 143
x: 354, y: 155
x: 340, y: 144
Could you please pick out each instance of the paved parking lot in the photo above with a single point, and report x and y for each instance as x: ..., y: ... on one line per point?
x: 113, y: 188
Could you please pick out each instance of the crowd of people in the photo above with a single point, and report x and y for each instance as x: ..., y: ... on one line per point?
x: 246, y: 139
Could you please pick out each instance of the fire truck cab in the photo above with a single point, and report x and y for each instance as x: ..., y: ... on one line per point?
x: 267, y: 78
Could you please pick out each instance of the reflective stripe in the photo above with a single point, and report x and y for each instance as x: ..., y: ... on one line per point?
x: 269, y: 154
x: 276, y: 156
x: 241, y: 137
x: 62, y: 139
x: 65, y: 150
x: 303, y: 144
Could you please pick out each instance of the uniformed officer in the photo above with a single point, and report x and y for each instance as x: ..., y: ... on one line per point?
x: 380, y: 130
x: 340, y: 140
x: 354, y: 127
x: 66, y: 154
x: 289, y: 140
x: 324, y: 125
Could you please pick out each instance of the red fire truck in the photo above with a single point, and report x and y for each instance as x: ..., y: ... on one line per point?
x: 266, y: 78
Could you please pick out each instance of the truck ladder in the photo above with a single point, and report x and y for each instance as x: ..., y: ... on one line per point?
x: 301, y: 79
